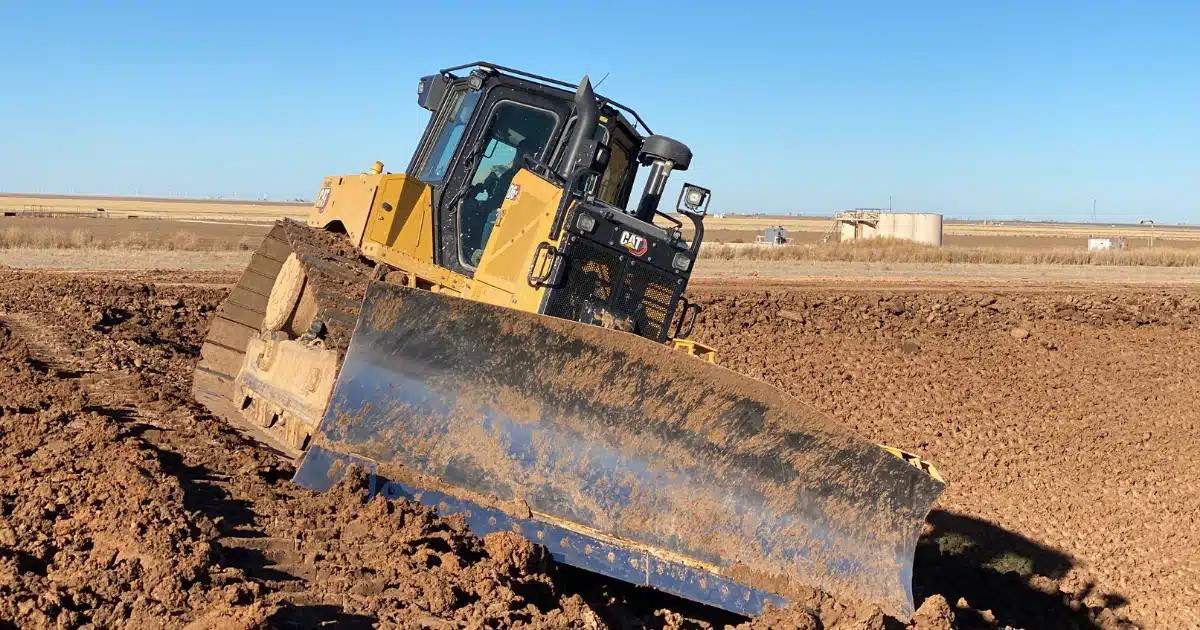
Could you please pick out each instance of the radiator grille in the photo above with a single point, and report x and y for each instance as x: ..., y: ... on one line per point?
x: 597, y: 274
x: 655, y: 290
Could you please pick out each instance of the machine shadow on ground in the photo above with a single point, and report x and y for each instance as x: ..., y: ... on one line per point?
x: 964, y: 557
x: 958, y: 557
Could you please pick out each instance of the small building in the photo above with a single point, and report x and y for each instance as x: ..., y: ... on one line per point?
x: 1096, y: 243
x: 777, y: 235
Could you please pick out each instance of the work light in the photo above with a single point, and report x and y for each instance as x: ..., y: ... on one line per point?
x: 693, y: 199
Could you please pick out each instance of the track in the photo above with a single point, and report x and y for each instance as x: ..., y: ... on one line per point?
x: 339, y: 278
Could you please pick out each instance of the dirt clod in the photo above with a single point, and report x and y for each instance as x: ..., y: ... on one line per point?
x: 934, y: 614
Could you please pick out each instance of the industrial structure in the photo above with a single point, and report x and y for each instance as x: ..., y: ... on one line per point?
x: 867, y: 223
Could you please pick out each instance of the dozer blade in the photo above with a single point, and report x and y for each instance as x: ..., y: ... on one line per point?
x: 619, y: 455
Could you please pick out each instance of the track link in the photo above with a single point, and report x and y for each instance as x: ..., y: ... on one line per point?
x: 338, y: 277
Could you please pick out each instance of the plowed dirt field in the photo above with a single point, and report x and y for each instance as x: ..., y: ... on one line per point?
x: 1064, y: 419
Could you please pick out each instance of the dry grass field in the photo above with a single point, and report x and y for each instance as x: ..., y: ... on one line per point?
x: 889, y: 250
x: 12, y: 205
x: 128, y: 234
x: 1064, y: 238
x: 807, y: 229
x: 62, y: 230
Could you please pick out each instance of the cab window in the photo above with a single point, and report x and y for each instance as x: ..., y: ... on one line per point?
x: 622, y: 148
x: 515, y: 130
x: 621, y: 151
x: 457, y: 115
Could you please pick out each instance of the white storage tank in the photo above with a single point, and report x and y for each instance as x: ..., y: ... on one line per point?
x: 897, y: 225
x: 918, y: 227
x: 927, y: 228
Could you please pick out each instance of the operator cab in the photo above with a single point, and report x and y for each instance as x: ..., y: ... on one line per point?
x: 613, y: 264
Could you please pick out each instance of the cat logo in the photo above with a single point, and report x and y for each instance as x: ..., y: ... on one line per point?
x: 634, y: 243
x: 322, y: 199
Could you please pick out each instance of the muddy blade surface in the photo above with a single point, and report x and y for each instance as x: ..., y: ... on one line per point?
x: 620, y: 455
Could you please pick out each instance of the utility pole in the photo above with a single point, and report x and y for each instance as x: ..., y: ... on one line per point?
x: 889, y: 203
x: 1093, y: 211
x: 1151, y: 224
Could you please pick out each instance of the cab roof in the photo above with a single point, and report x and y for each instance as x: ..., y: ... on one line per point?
x: 548, y: 82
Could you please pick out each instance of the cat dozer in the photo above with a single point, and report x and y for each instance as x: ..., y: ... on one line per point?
x: 499, y: 332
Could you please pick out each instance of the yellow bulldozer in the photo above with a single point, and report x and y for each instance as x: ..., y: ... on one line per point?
x: 501, y: 332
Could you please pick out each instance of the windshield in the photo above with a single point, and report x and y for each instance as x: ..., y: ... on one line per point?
x: 457, y: 115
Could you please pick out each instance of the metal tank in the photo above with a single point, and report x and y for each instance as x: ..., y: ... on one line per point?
x: 927, y: 228
x: 918, y: 227
x: 897, y: 225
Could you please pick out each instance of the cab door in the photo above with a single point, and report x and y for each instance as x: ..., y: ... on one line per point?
x: 512, y: 123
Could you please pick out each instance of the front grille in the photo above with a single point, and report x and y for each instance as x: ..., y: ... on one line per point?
x: 650, y: 312
x: 591, y: 276
x: 596, y: 274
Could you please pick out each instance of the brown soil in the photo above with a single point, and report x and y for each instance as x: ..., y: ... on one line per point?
x: 1072, y: 500
x: 1070, y: 450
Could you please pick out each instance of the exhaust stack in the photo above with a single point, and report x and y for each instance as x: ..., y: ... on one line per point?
x: 662, y: 155
x: 587, y: 118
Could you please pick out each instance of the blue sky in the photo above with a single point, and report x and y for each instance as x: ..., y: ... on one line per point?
x: 979, y: 109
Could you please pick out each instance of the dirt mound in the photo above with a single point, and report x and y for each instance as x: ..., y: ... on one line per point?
x: 399, y: 563
x: 28, y: 391
x: 12, y: 349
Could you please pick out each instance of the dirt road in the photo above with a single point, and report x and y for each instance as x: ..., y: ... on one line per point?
x: 1072, y: 500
